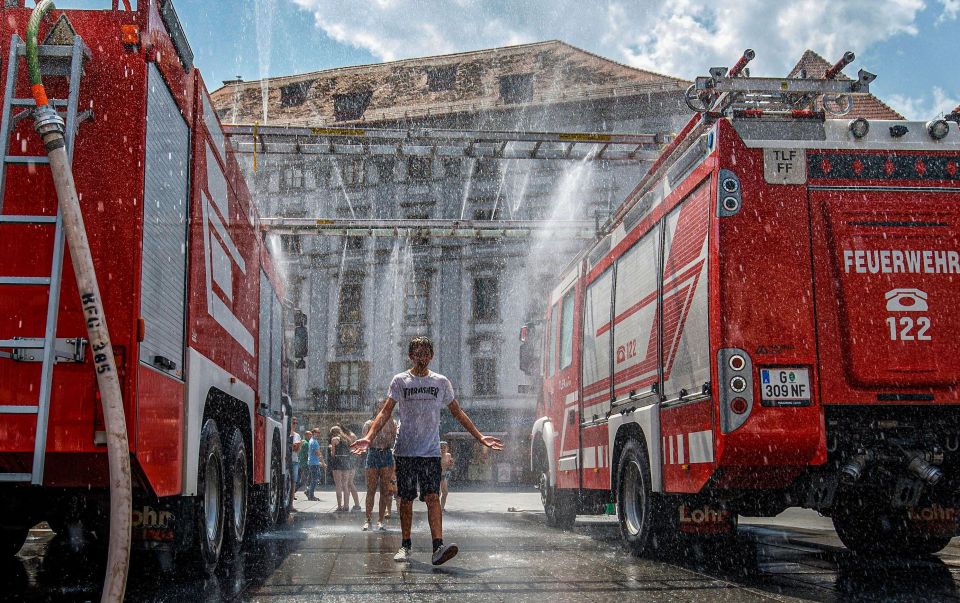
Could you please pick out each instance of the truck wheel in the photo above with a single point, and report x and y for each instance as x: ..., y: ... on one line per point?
x: 269, y: 497
x: 209, y: 504
x: 277, y: 483
x: 11, y: 540
x: 634, y: 497
x: 924, y: 544
x: 558, y: 506
x: 237, y: 491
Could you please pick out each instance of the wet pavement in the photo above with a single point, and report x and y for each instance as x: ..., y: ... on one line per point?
x: 505, y: 555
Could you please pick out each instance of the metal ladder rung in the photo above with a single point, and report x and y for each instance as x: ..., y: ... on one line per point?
x: 34, y: 159
x: 23, y: 344
x: 28, y: 219
x: 29, y: 102
x: 24, y: 280
x: 19, y: 410
x: 15, y: 477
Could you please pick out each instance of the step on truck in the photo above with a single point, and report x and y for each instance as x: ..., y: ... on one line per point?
x: 770, y: 320
x: 191, y: 296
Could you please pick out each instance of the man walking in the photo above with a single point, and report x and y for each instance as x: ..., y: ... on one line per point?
x: 419, y: 394
x: 314, y: 463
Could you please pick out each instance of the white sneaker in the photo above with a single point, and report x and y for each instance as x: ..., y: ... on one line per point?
x: 444, y: 553
x: 366, y: 526
x: 402, y: 554
x: 381, y: 527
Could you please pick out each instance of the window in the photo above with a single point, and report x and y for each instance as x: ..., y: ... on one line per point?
x: 551, y: 339
x: 417, y: 307
x: 385, y: 167
x: 351, y: 300
x: 441, y: 78
x: 486, y: 168
x: 350, y: 106
x: 486, y: 298
x: 346, y: 384
x: 485, y: 376
x: 487, y: 214
x: 291, y: 244
x: 351, y: 172
x: 516, y: 88
x: 451, y: 167
x: 566, y: 331
x: 419, y: 168
x: 294, y: 94
x: 355, y: 243
x: 291, y: 178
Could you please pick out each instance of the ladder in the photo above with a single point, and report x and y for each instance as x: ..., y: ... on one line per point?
x: 55, y: 60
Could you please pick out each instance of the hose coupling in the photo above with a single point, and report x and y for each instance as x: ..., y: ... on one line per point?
x: 927, y: 472
x: 47, y: 121
x: 853, y: 469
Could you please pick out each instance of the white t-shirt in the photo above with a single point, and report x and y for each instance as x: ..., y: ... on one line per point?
x: 419, y: 402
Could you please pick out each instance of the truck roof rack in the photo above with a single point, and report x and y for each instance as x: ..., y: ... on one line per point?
x: 724, y: 91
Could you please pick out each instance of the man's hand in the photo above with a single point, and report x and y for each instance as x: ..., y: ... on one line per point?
x: 360, y: 446
x: 492, y: 442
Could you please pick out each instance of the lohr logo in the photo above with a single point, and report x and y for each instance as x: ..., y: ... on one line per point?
x: 148, y: 517
x: 704, y: 520
x: 933, y: 513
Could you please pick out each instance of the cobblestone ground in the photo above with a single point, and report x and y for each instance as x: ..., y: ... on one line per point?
x: 508, y: 554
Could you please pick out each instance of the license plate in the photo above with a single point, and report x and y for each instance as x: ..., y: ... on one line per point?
x: 785, y: 387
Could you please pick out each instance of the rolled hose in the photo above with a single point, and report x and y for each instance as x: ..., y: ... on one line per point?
x: 50, y: 127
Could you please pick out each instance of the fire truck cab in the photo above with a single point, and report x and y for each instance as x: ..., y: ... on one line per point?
x: 769, y: 320
x: 191, y: 297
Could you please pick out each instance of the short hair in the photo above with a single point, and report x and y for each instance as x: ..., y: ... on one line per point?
x: 335, y: 430
x: 420, y: 341
x: 308, y: 432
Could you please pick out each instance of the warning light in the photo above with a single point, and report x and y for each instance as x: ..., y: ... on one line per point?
x: 738, y: 405
x: 859, y: 127
x: 524, y: 332
x: 938, y: 129
x: 738, y: 384
x: 130, y: 35
x: 737, y: 362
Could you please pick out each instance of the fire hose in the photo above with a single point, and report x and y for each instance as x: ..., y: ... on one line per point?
x: 50, y: 126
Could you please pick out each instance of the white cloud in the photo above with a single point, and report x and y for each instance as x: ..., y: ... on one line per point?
x: 928, y: 106
x: 679, y: 37
x: 951, y: 8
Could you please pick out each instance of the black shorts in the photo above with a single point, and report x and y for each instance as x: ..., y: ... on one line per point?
x: 417, y: 473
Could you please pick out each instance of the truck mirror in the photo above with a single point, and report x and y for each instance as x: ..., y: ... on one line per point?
x: 299, y: 342
x: 530, y: 350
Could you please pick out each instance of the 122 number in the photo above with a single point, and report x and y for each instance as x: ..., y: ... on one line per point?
x: 902, y: 329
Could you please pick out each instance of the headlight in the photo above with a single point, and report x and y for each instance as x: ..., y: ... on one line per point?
x: 938, y: 129
x: 859, y: 127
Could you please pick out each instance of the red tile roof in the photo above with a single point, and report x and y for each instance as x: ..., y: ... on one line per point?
x: 869, y: 107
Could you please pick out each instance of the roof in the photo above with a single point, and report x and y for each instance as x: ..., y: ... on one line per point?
x: 868, y: 106
x: 535, y: 74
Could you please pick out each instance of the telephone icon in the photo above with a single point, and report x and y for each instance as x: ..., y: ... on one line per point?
x: 906, y: 300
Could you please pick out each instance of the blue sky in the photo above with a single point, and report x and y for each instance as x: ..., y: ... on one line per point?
x: 911, y: 44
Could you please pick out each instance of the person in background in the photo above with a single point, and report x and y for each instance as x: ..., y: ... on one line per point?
x: 304, y: 464
x: 295, y: 442
x: 446, y: 465
x: 315, y: 464
x: 341, y: 463
x: 379, y: 470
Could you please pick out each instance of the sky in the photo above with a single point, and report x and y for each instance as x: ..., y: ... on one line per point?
x: 912, y: 45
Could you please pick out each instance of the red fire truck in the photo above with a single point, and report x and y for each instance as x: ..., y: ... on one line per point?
x: 190, y: 294
x: 769, y: 320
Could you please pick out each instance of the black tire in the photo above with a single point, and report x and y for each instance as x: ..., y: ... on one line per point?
x: 269, y: 496
x: 11, y: 540
x: 237, y: 489
x: 559, y: 507
x: 872, y: 530
x: 208, y: 506
x: 634, y: 498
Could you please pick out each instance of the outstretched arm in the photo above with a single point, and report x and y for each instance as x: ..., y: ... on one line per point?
x: 360, y: 446
x: 459, y: 415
